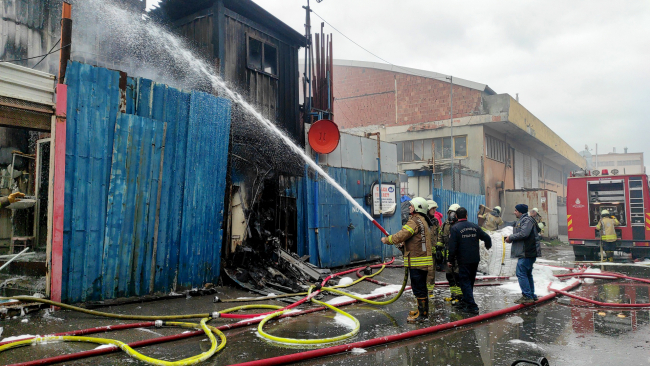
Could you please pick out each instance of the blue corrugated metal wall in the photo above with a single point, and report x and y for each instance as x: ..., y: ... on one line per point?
x: 113, y: 186
x: 445, y: 198
x: 344, y: 235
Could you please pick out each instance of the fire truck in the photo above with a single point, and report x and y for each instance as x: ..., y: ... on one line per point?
x: 624, y: 196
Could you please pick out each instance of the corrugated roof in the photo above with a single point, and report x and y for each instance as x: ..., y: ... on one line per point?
x: 415, y: 72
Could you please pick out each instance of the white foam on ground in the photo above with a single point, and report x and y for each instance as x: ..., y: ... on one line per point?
x: 593, y: 270
x: 589, y: 280
x: 530, y: 344
x: 543, y: 276
x: 344, y: 321
x: 106, y: 346
x: 515, y: 320
x: 345, y: 281
x: 18, y: 338
x: 24, y: 321
x: 542, y: 260
x: 358, y: 351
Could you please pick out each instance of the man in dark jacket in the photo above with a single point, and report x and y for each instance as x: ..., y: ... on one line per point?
x: 464, y: 248
x: 524, y: 240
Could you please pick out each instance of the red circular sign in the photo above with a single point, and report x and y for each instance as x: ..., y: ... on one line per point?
x: 324, y: 136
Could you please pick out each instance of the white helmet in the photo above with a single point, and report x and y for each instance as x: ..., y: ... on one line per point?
x: 420, y: 205
x: 604, y: 213
x: 536, y: 210
x: 453, y: 207
x: 432, y: 204
x: 497, y: 208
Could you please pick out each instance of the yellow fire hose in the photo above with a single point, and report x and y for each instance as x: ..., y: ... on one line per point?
x: 209, y: 331
x: 357, y: 325
x: 205, y: 317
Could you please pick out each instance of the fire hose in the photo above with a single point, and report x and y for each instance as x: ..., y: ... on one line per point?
x: 281, y: 311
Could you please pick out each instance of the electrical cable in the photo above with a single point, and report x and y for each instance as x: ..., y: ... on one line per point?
x: 47, y: 54
x: 31, y: 58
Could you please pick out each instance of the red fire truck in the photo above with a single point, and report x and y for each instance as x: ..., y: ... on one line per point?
x: 625, y: 196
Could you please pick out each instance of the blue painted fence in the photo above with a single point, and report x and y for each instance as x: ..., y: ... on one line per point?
x: 144, y: 190
x: 344, y: 235
x: 445, y: 198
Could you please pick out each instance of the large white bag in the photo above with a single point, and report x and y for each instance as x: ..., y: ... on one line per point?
x: 497, y: 261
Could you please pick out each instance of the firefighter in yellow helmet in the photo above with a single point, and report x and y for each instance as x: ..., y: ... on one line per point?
x: 14, y: 197
x: 492, y: 219
x: 434, y: 229
x: 606, y: 226
x: 443, y: 246
x: 416, y: 241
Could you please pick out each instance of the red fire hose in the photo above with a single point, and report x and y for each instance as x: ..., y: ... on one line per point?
x: 296, y: 357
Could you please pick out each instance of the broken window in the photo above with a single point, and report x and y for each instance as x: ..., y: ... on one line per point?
x: 428, y: 150
x: 254, y: 54
x: 262, y: 57
x: 270, y: 59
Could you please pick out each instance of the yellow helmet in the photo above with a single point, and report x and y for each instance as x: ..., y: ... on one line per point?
x: 453, y: 207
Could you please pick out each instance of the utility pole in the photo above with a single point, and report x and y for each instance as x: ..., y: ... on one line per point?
x: 307, y: 70
x: 451, y: 124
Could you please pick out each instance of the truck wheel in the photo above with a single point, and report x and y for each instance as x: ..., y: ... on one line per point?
x: 582, y: 253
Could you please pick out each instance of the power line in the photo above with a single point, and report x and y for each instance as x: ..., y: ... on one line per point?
x: 365, y: 49
x: 39, y: 62
x: 31, y: 58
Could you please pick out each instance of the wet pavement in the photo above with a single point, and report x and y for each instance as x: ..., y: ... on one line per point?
x: 564, y: 331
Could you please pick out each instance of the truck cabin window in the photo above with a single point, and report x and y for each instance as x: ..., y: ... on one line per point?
x: 606, y: 195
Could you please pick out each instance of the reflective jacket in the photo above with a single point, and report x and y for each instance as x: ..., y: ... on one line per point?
x: 492, y: 222
x: 434, y: 230
x: 608, y: 232
x: 417, y: 243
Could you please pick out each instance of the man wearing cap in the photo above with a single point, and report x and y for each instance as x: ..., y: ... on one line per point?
x: 14, y: 197
x: 524, y: 246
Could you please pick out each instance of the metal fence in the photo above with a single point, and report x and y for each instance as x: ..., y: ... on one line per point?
x: 445, y: 198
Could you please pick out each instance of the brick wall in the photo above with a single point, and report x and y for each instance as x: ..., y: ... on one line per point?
x: 365, y: 96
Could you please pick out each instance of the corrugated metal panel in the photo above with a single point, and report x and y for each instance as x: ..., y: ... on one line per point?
x: 206, y: 163
x: 100, y: 263
x: 93, y: 99
x: 26, y: 84
x: 471, y: 202
x: 351, y: 152
x: 368, y: 154
x: 133, y: 191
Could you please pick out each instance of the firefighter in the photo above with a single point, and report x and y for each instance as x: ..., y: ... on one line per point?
x: 416, y: 241
x: 14, y: 197
x: 492, y: 219
x: 608, y: 234
x: 538, y: 218
x: 434, y: 229
x: 451, y: 272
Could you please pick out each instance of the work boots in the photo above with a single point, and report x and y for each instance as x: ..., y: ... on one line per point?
x: 421, y: 315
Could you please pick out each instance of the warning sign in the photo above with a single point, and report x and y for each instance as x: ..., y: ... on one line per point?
x: 388, y: 199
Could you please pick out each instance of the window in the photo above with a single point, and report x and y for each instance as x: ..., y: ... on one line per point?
x: 417, y: 150
x: 427, y: 154
x: 495, y: 149
x: 408, y: 150
x: 606, y: 163
x: 400, y: 152
x: 460, y: 146
x: 262, y: 57
x: 270, y: 59
x: 628, y: 162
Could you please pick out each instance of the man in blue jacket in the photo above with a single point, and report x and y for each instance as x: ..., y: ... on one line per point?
x: 464, y: 248
x: 525, y: 246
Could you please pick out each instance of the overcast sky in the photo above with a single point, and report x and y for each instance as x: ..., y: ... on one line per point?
x: 582, y: 67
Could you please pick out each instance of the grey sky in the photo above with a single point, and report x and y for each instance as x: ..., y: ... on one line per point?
x: 582, y: 67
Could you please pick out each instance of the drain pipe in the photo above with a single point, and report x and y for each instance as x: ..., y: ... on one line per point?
x: 66, y: 40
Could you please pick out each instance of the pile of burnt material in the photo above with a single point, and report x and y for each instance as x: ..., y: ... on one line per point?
x: 269, y: 269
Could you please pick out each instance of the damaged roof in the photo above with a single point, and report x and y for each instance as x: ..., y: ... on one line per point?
x: 172, y: 10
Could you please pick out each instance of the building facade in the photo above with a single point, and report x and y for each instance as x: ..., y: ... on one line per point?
x: 497, y: 143
x: 624, y: 163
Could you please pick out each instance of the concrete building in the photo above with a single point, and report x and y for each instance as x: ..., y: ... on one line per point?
x: 497, y: 143
x: 625, y: 163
